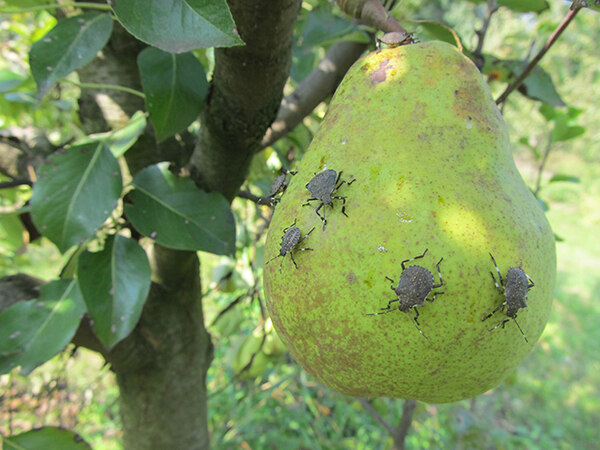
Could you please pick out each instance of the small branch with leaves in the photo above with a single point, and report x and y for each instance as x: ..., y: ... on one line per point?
x: 549, y: 43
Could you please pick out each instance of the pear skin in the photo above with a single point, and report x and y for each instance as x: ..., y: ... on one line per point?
x: 417, y: 128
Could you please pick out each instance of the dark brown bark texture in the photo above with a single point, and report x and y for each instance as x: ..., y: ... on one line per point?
x: 245, y: 95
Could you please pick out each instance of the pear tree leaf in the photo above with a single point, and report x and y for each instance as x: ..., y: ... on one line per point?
x: 536, y: 6
x: 71, y: 44
x: 538, y: 85
x: 178, y: 215
x: 179, y: 26
x: 323, y: 26
x: 33, y: 331
x: 433, y: 30
x: 75, y: 192
x: 122, y: 139
x: 564, y: 132
x: 564, y: 177
x: 114, y: 284
x: 49, y: 438
x: 9, y: 80
x: 175, y: 88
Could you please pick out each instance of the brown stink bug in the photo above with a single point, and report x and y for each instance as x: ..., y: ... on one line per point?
x: 322, y: 186
x: 279, y: 186
x: 414, y: 286
x: 395, y: 39
x: 290, y: 239
x: 515, y: 291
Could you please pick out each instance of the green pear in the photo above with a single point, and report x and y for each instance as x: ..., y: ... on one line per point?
x: 417, y: 130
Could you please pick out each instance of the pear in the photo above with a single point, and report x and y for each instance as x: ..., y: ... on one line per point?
x: 427, y: 162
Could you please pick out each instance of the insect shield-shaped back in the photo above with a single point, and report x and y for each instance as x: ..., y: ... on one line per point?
x: 289, y: 242
x: 279, y: 186
x: 515, y: 291
x: 395, y: 39
x: 322, y: 187
x: 413, y: 289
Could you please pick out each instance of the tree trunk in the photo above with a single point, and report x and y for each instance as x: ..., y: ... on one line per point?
x: 161, y: 367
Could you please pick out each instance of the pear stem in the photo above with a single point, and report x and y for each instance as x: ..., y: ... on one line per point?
x: 551, y: 40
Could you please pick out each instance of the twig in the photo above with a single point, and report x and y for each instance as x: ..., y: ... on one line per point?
x: 372, y: 13
x: 408, y: 409
x: 551, y: 40
x: 538, y: 182
x: 15, y: 183
x: 398, y: 434
x: 315, y: 88
x: 255, y: 198
x: 367, y: 405
x: 492, y: 7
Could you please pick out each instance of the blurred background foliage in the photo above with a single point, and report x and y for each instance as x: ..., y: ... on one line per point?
x: 259, y: 397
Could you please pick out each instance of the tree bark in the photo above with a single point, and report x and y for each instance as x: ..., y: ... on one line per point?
x: 161, y: 367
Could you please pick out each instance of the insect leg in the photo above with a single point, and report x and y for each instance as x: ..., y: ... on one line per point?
x: 494, y: 312
x: 287, y: 228
x: 293, y: 260
x: 392, y: 285
x: 343, y: 199
x: 321, y: 216
x: 308, y: 200
x: 440, y: 274
x: 498, y: 287
x: 412, y: 259
x: 497, y: 270
x: 305, y: 236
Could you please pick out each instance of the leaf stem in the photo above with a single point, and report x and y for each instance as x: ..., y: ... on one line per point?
x: 88, y: 5
x: 551, y: 40
x: 114, y: 87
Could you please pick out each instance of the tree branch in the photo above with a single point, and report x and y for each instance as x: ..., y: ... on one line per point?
x: 492, y: 7
x: 314, y: 89
x: 398, y: 434
x: 245, y: 95
x: 551, y: 40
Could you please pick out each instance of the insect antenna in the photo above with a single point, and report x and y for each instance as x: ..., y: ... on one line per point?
x: 417, y: 326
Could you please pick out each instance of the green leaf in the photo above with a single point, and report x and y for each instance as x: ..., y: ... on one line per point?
x: 536, y: 6
x: 538, y: 85
x: 9, y: 80
x: 122, y: 139
x: 11, y: 232
x: 114, y: 283
x: 179, y: 26
x: 563, y: 132
x: 323, y: 26
x: 71, y: 44
x: 175, y: 88
x: 564, y: 177
x: 74, y: 194
x: 177, y: 214
x: 48, y: 438
x: 34, y: 331
x: 432, y: 30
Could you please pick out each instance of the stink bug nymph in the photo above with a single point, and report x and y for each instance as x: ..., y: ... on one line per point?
x: 279, y: 186
x: 395, y: 39
x: 515, y: 290
x: 290, y: 239
x: 414, y: 286
x: 322, y: 186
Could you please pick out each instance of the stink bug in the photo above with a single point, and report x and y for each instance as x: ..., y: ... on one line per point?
x: 414, y: 286
x: 322, y: 186
x: 290, y: 239
x: 515, y: 291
